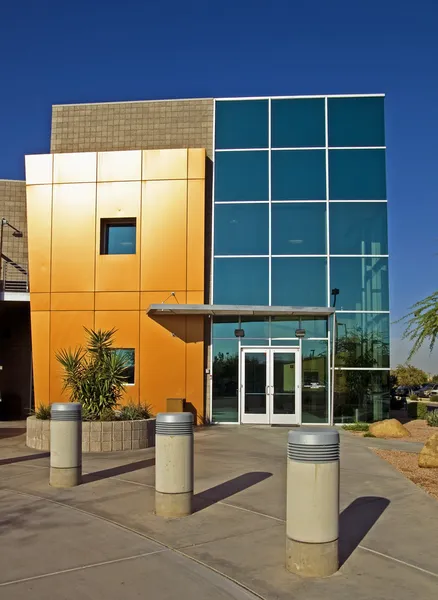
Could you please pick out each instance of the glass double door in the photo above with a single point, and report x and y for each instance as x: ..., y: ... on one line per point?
x: 270, y: 391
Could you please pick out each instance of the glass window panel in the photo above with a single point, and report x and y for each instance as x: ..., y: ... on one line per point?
x: 315, y: 381
x: 256, y: 327
x: 241, y: 176
x: 242, y: 124
x: 225, y: 381
x: 299, y: 281
x: 241, y: 281
x: 285, y: 327
x: 361, y: 396
x: 298, y: 175
x: 362, y: 283
x: 253, y: 342
x: 298, y: 123
x: 362, y: 340
x: 118, y: 237
x: 241, y: 229
x: 224, y: 327
x: 298, y: 228
x: 358, y: 228
x: 356, y: 121
x: 285, y: 343
x: 357, y: 174
x: 284, y: 382
x: 128, y: 355
x: 255, y: 383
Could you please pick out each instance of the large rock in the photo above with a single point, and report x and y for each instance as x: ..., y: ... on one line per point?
x: 428, y: 457
x: 389, y: 428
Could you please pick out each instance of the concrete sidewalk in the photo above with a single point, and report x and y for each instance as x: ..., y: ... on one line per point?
x: 102, y: 539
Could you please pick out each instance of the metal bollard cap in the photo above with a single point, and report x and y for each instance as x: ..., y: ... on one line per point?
x: 313, y: 445
x: 66, y: 411
x: 174, y: 424
x: 313, y: 436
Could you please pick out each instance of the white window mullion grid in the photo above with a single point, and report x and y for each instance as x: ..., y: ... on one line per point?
x: 327, y: 196
x: 270, y: 206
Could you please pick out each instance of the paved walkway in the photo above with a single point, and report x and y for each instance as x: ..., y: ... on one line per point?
x: 102, y: 540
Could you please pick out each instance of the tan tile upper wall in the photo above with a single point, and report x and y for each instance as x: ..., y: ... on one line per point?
x: 148, y: 125
x: 13, y: 208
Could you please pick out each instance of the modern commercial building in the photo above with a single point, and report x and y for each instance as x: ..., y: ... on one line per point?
x: 239, y: 246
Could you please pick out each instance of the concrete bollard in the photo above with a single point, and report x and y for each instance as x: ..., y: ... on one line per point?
x: 65, y: 444
x: 312, y: 511
x: 173, y: 464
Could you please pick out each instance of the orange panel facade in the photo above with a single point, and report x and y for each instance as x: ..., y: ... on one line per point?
x: 109, y: 234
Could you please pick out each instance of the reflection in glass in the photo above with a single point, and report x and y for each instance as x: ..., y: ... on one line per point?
x: 255, y: 383
x: 362, y: 283
x: 255, y: 327
x: 225, y: 381
x: 285, y: 342
x: 315, y: 382
x: 298, y: 228
x: 362, y: 340
x: 128, y: 355
x: 356, y: 121
x: 241, y: 229
x: 357, y: 174
x: 254, y: 342
x: 298, y: 175
x: 241, y: 281
x: 284, y: 383
x: 224, y: 327
x: 118, y: 237
x: 298, y: 123
x: 286, y: 326
x: 361, y: 396
x: 242, y: 124
x: 241, y: 176
x: 299, y: 282
x: 358, y: 228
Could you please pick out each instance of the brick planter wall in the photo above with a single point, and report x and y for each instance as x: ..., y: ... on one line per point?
x: 106, y: 436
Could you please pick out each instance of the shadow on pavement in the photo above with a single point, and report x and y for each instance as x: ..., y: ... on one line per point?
x: 18, y: 459
x: 114, y: 471
x: 8, y: 432
x: 227, y: 489
x: 356, y: 521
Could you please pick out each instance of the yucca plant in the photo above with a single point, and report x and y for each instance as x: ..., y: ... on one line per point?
x: 94, y: 375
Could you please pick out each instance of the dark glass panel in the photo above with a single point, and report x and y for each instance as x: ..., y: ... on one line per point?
x: 242, y: 124
x: 225, y: 381
x: 315, y: 381
x: 361, y: 396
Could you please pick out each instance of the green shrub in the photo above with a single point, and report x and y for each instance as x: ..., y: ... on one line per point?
x: 107, y: 415
x: 134, y: 412
x: 43, y: 412
x: 369, y: 434
x: 417, y: 410
x: 356, y: 427
x: 413, y: 397
x: 432, y: 418
x: 95, y: 375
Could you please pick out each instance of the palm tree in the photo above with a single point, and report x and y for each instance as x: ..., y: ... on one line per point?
x: 94, y: 375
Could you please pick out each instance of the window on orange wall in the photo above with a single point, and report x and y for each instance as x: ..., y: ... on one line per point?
x: 118, y: 236
x: 129, y: 355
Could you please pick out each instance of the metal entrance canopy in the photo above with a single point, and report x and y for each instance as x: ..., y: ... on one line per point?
x: 238, y: 310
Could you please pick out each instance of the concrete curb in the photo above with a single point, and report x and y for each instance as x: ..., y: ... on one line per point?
x: 97, y: 436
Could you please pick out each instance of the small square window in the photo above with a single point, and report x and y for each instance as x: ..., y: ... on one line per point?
x: 118, y: 236
x: 129, y: 355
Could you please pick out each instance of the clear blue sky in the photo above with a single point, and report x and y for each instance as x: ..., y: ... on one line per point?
x: 93, y: 50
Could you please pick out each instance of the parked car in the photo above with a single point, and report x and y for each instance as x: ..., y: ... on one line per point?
x: 431, y: 389
x: 404, y: 391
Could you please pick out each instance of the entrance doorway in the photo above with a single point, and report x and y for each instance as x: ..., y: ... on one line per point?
x: 270, y: 391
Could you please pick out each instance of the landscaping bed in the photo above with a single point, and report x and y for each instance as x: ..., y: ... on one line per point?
x: 407, y: 463
x: 97, y: 436
x: 419, y: 429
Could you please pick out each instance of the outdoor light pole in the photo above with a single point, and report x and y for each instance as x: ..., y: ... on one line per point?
x: 16, y: 233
